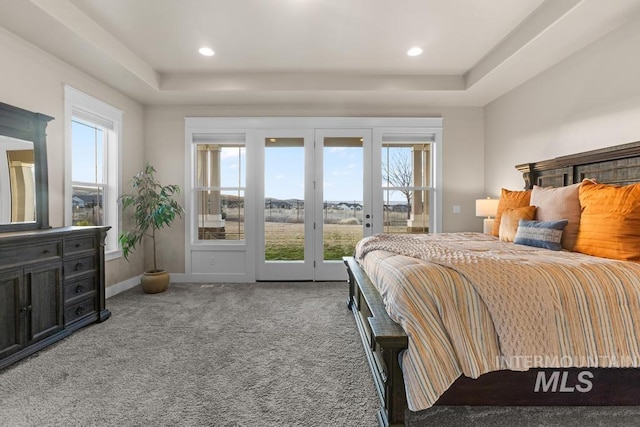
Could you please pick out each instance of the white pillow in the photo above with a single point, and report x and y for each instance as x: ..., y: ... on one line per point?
x: 556, y: 203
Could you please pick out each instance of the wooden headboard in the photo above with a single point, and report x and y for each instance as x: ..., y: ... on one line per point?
x: 619, y: 165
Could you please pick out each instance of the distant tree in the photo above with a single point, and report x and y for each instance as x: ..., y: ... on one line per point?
x: 398, y: 172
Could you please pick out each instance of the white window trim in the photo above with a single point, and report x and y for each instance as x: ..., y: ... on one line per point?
x: 77, y: 103
x: 435, y: 221
x: 431, y: 132
x: 193, y: 200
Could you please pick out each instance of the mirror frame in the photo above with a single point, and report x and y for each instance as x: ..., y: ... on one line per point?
x: 29, y: 126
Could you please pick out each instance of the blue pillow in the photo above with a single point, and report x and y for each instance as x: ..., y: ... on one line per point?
x: 541, y: 234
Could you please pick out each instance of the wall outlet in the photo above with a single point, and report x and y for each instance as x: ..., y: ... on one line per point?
x: 456, y: 209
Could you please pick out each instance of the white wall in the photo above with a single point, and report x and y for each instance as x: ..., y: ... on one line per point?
x: 463, y: 169
x: 588, y: 101
x: 32, y: 79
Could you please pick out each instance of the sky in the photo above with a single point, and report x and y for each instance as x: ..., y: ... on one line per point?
x: 87, y: 147
x: 284, y: 173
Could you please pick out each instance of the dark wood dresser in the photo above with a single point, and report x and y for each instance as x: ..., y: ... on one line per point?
x: 51, y: 284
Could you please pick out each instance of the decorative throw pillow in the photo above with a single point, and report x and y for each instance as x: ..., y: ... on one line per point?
x: 556, y: 203
x: 610, y: 221
x: 509, y: 199
x: 510, y: 220
x: 541, y: 234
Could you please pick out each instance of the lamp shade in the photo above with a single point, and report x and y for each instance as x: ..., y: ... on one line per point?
x: 487, y: 207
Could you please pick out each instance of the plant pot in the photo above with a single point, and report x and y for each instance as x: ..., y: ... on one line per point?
x: 155, y: 281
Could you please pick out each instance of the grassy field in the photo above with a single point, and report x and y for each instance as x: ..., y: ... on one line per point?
x: 285, y: 241
x: 284, y: 232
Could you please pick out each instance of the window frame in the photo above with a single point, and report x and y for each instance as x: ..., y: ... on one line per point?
x: 230, y: 139
x: 84, y: 108
x: 429, y: 190
x: 402, y: 135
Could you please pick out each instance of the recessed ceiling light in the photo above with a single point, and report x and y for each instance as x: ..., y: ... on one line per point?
x: 414, y: 51
x: 205, y: 51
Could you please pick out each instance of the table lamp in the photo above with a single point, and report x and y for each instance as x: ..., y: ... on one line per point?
x: 487, y: 208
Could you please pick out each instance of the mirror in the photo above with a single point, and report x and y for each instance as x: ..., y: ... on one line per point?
x: 17, y: 181
x: 24, y: 202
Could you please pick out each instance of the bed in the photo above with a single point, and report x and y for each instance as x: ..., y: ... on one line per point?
x: 431, y: 313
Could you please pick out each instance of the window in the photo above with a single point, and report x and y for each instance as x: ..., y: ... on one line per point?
x: 220, y: 186
x: 407, y: 184
x: 92, y: 189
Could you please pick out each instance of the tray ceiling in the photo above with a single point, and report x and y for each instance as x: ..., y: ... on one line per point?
x: 314, y: 52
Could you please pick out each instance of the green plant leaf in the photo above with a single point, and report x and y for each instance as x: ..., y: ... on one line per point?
x: 154, y: 207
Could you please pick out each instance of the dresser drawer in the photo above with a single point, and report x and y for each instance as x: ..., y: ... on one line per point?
x: 52, y: 283
x: 79, y: 266
x: 80, y: 288
x: 78, y: 310
x: 80, y: 244
x: 21, y: 254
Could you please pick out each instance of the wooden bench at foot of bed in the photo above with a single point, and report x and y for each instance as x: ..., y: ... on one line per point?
x: 384, y: 340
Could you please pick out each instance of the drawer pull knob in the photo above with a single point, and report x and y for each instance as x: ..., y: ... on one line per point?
x: 79, y: 266
x: 25, y: 309
x: 80, y: 310
x: 46, y: 251
x: 78, y: 245
x: 79, y: 288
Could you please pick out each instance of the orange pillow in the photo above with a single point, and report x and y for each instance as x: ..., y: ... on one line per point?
x: 511, y: 218
x: 610, y: 221
x: 509, y: 199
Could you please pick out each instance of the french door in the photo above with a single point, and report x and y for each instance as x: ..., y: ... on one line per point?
x: 285, y: 198
x: 317, y: 201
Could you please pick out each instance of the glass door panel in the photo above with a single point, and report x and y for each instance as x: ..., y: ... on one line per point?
x: 342, y: 193
x: 284, y: 219
x: 286, y: 233
x: 343, y: 185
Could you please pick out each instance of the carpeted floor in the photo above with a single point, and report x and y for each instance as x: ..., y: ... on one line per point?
x: 265, y: 354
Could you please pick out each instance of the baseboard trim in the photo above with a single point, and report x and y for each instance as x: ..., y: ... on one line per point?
x: 179, y: 278
x: 118, y: 288
x: 125, y: 285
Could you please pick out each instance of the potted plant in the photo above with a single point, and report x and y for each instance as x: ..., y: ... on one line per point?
x: 154, y: 207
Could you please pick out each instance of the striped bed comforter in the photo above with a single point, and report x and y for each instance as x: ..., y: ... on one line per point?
x: 471, y: 304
